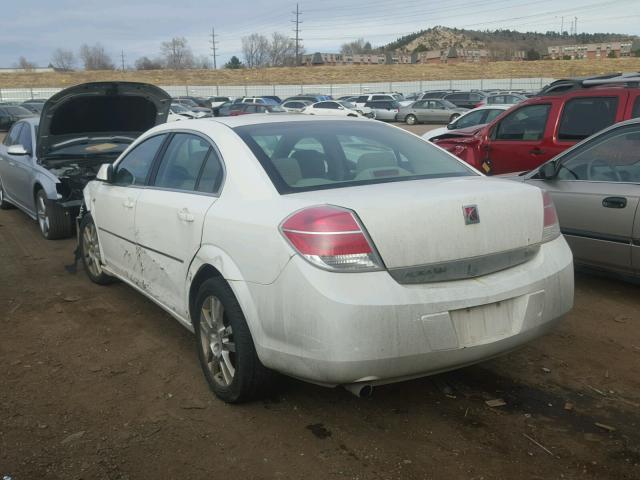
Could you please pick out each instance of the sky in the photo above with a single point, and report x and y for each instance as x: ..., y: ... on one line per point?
x: 35, y: 28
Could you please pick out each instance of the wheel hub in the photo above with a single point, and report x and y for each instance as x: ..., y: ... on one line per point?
x: 216, y: 340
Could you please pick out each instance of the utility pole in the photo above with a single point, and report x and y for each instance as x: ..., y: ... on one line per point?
x: 122, y: 57
x: 213, y: 47
x: 575, y: 26
x: 562, y: 25
x: 297, y: 21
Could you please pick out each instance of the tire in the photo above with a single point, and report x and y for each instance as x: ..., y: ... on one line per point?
x: 90, y: 252
x: 4, y: 205
x: 453, y: 117
x: 53, y: 220
x: 225, y: 348
x: 411, y: 120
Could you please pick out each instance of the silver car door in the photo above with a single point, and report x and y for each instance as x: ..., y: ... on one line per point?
x: 635, y: 244
x: 440, y: 113
x: 9, y: 168
x: 23, y: 169
x: 596, y: 191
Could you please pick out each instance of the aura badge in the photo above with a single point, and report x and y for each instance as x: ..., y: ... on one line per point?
x: 471, y: 215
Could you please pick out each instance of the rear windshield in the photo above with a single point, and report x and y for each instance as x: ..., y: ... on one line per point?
x: 315, y: 155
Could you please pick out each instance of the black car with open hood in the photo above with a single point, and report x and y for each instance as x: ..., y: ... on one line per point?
x: 87, y: 125
x: 96, y: 113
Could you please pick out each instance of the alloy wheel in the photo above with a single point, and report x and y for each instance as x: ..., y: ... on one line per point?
x: 91, y: 250
x: 216, y: 341
x: 43, y: 216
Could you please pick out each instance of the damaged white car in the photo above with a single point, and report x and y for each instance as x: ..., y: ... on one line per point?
x: 337, y: 251
x: 46, y: 162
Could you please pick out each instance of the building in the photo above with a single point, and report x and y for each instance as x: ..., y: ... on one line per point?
x: 591, y: 51
x: 450, y: 55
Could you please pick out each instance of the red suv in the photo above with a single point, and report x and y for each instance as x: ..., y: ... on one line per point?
x: 532, y: 132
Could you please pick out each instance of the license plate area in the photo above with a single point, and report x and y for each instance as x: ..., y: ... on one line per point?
x: 486, y: 323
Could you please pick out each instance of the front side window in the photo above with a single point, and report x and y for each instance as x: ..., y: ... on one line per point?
x: 25, y: 138
x: 612, y: 157
x: 319, y: 155
x: 525, y: 124
x: 182, y: 161
x: 582, y: 117
x: 135, y: 166
x: 14, y: 134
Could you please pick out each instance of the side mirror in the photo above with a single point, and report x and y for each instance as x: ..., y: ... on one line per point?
x: 547, y: 171
x: 17, y: 150
x: 451, y: 126
x: 105, y: 173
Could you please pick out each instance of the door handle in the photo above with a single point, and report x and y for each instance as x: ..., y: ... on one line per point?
x: 537, y: 151
x: 614, y: 202
x: 185, y: 216
x: 128, y: 203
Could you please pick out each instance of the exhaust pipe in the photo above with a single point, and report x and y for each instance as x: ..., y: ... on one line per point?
x: 360, y: 390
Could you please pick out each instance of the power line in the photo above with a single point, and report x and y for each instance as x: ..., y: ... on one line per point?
x: 213, y: 47
x: 297, y: 21
x: 122, y: 57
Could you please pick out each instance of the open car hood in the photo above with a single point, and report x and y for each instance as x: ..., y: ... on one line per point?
x: 99, y: 110
x: 462, y: 132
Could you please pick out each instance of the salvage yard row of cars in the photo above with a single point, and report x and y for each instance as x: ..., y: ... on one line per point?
x: 275, y: 238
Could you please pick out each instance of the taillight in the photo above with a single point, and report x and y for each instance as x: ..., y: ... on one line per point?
x: 331, y: 238
x: 551, y: 227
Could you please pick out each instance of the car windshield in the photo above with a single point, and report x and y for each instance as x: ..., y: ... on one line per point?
x: 176, y: 107
x: 347, y: 105
x: 314, y: 155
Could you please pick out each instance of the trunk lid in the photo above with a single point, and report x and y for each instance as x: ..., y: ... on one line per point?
x: 92, y: 113
x: 417, y: 223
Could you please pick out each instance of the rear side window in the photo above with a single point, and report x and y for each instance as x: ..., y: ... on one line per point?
x: 526, y: 123
x: 635, y: 113
x: 182, y: 162
x: 212, y: 173
x: 322, y: 155
x: 134, y: 168
x: 582, y: 117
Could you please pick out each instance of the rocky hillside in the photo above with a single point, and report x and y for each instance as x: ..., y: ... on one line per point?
x: 497, y: 41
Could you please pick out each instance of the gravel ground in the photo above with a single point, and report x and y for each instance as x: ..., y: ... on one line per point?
x: 99, y: 383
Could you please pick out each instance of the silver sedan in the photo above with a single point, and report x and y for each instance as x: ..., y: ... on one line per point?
x: 436, y: 111
x: 596, y: 188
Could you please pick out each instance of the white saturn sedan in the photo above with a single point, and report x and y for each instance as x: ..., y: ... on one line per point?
x: 338, y: 251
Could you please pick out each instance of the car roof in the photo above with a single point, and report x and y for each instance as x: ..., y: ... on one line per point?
x: 259, y: 118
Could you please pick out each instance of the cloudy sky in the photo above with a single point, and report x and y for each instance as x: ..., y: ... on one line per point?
x: 34, y: 28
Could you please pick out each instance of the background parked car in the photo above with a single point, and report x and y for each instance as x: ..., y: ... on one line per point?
x: 470, y: 118
x: 362, y: 99
x: 10, y: 114
x: 295, y: 105
x: 539, y: 128
x: 309, y: 98
x: 333, y: 107
x: 215, y: 102
x: 198, y: 101
x: 596, y: 189
x: 436, y: 111
x: 465, y: 99
x: 46, y: 161
x: 502, y: 99
x: 199, y: 111
x: 33, y: 107
x: 179, y: 109
x: 248, y: 108
x: 384, y: 109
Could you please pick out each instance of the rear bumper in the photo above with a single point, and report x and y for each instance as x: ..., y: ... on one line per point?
x: 332, y: 328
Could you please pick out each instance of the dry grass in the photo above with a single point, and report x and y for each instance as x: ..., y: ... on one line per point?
x: 325, y: 75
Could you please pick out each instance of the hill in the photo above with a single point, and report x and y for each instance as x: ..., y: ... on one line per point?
x: 502, y: 43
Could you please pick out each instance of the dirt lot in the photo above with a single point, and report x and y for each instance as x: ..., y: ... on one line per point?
x: 338, y: 74
x: 99, y: 383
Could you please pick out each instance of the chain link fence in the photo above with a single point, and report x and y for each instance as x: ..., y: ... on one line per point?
x: 336, y: 90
